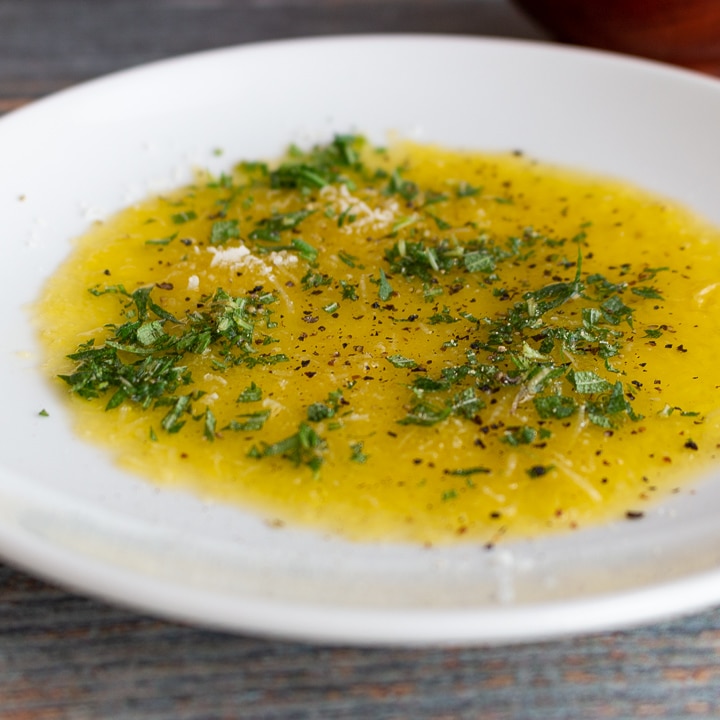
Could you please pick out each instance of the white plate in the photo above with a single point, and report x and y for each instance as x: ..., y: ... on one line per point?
x: 66, y: 513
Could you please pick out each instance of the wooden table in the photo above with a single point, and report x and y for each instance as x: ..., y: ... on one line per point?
x: 65, y: 656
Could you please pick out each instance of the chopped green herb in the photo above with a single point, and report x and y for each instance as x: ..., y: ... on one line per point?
x: 269, y: 229
x: 605, y: 410
x: 647, y: 292
x: 321, y: 166
x: 356, y: 453
x: 305, y: 447
x: 348, y: 259
x: 425, y: 413
x: 406, y: 189
x: 441, y: 224
x: 463, y: 472
x: 400, y: 361
x: 479, y: 261
x: 183, y: 217
x: 249, y: 422
x: 586, y: 382
x: 319, y: 411
x: 162, y: 241
x: 252, y: 393
x: 555, y: 406
x: 432, y: 198
x: 227, y: 324
x: 464, y: 189
x: 171, y: 422
x: 614, y: 311
x: 442, y: 317
x: 312, y: 280
x: 349, y: 291
x: 346, y: 217
x: 304, y: 250
x: 519, y: 436
x: 224, y: 230
x: 210, y: 424
x: 403, y: 222
x: 109, y: 289
x: 384, y: 289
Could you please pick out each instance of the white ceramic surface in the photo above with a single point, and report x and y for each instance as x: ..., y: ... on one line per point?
x: 68, y: 514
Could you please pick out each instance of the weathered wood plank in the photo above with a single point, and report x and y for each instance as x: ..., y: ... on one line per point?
x: 65, y: 656
x: 49, y: 44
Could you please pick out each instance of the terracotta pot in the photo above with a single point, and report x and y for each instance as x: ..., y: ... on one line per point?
x: 685, y: 32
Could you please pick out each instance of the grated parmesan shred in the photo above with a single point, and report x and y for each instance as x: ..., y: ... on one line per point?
x: 239, y: 257
x: 366, y: 218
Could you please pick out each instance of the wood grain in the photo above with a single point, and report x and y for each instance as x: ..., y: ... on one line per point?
x: 50, y: 44
x: 65, y: 656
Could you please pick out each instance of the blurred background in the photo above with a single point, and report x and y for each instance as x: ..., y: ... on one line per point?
x: 47, y: 44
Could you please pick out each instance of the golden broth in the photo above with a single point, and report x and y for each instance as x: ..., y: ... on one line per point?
x: 409, y: 344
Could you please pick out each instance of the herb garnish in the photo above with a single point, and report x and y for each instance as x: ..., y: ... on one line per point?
x: 547, y: 348
x: 305, y: 447
x: 161, y: 342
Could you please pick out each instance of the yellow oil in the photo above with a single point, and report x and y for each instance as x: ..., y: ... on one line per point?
x: 458, y: 479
